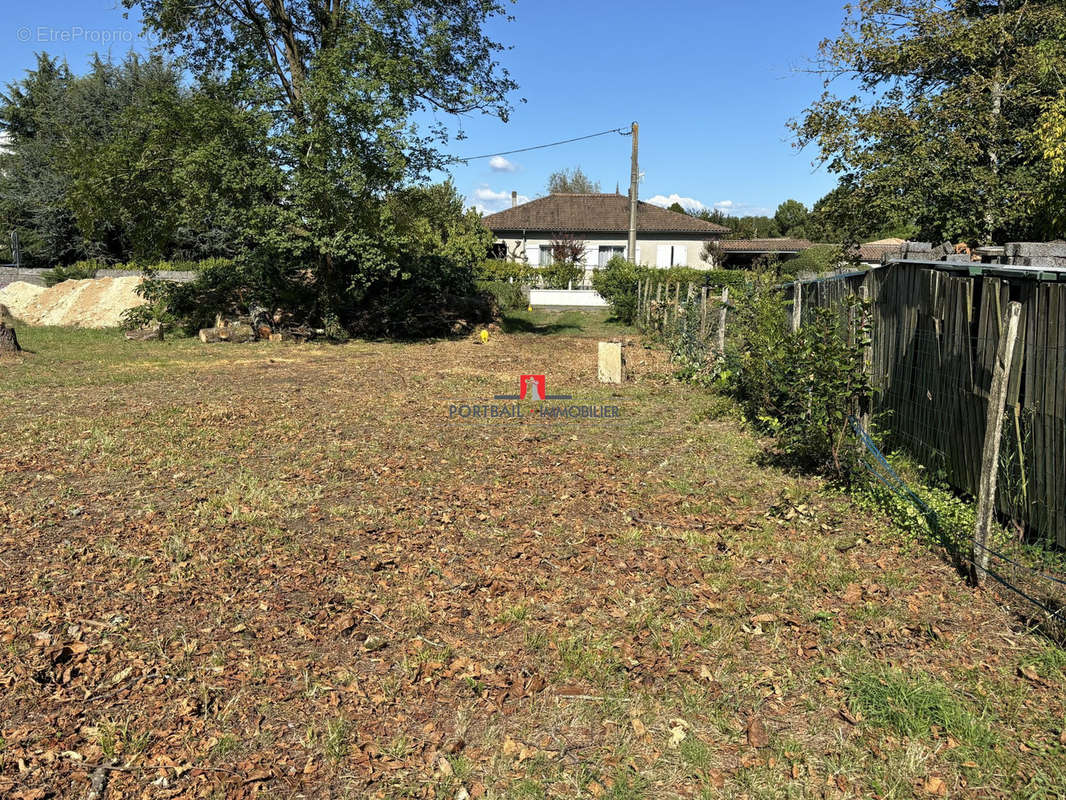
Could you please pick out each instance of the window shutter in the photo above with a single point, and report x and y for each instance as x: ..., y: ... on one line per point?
x: 533, y: 256
x: 592, y: 254
x: 662, y: 256
x: 680, y: 255
x: 637, y: 260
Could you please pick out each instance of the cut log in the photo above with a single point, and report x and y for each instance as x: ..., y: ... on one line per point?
x: 149, y: 333
x: 9, y: 343
x: 237, y: 333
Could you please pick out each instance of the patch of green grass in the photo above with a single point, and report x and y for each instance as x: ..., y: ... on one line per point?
x: 515, y: 613
x: 626, y: 785
x: 225, y: 745
x: 120, y: 738
x: 569, y: 321
x: 1050, y: 663
x: 911, y: 706
x: 528, y: 789
x: 335, y: 739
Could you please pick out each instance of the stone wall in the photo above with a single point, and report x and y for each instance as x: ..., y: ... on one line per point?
x: 35, y: 276
x: 11, y: 275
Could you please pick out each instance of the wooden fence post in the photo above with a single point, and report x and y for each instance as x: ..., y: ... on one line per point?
x: 867, y: 352
x: 797, y: 305
x: 659, y: 305
x: 639, y: 298
x: 703, y: 313
x: 997, y: 401
x: 721, y: 321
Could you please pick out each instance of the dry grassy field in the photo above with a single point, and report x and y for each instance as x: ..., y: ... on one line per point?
x: 283, y: 571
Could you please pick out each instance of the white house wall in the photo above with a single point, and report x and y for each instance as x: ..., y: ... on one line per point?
x: 648, y: 248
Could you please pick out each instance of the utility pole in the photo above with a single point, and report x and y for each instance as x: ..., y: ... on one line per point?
x: 634, y: 184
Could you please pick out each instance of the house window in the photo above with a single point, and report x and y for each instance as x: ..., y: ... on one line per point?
x: 546, y: 259
x: 607, y: 252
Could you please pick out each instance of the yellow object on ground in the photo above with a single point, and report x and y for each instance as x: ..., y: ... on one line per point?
x: 484, y: 337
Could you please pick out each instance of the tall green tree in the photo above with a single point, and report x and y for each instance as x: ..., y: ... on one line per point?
x: 35, y: 117
x: 572, y: 181
x: 126, y: 162
x: 344, y: 80
x: 939, y: 131
x: 791, y: 218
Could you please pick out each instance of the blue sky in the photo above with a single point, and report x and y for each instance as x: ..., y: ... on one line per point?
x: 711, y: 83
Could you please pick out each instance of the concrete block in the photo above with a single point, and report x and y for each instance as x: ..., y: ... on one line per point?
x: 1036, y: 249
x: 1039, y: 262
x: 612, y: 364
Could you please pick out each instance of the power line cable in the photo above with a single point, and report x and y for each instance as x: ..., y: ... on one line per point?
x: 621, y: 131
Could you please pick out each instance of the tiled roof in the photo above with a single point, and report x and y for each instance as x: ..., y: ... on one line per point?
x: 764, y: 245
x: 875, y: 251
x: 595, y: 213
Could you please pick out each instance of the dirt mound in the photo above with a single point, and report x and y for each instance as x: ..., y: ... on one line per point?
x: 16, y: 296
x: 96, y: 303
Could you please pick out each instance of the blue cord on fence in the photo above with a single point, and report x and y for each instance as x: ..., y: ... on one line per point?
x: 899, y: 487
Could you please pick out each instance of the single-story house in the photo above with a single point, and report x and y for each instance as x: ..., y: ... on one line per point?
x: 601, y: 223
x: 744, y: 252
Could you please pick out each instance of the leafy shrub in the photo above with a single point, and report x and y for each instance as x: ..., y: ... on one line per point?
x: 494, y: 269
x: 561, y: 275
x: 79, y: 270
x: 816, y: 260
x: 617, y: 284
x: 508, y: 295
x: 803, y: 387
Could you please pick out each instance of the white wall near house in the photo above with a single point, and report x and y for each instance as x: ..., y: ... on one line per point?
x: 660, y: 250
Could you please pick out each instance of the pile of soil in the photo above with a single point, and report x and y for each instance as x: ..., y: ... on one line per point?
x: 95, y: 303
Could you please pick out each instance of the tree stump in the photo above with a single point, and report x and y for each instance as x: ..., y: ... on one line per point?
x: 9, y: 343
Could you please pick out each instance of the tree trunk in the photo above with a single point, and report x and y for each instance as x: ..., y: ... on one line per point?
x: 9, y: 343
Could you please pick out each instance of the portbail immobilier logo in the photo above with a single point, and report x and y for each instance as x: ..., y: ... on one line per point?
x: 532, y: 400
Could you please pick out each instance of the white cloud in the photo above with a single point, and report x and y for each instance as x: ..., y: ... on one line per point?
x: 487, y: 201
x: 689, y: 203
x: 501, y: 164
x: 730, y: 207
x: 736, y: 209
